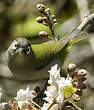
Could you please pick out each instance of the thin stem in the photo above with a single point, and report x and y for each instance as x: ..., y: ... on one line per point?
x: 73, y: 103
x: 76, y: 106
x: 51, y: 105
x: 73, y: 79
x: 36, y: 104
x: 54, y: 101
x: 50, y: 25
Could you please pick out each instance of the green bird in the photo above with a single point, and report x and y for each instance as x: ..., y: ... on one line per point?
x: 29, y: 62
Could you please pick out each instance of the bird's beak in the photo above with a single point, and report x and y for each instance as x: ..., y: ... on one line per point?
x: 19, y: 51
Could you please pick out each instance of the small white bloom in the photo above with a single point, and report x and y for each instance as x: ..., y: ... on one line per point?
x: 60, y: 98
x: 59, y: 89
x: 23, y: 95
x: 54, y: 74
x: 63, y: 82
x: 65, y: 87
x: 54, y: 71
x: 50, y: 93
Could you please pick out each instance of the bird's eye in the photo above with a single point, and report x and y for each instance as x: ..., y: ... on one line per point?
x: 28, y: 50
x: 14, y: 45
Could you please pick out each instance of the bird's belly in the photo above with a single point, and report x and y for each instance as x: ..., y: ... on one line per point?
x: 20, y: 64
x: 22, y: 69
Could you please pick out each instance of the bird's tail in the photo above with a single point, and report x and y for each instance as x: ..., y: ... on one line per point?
x: 73, y: 37
x: 67, y: 41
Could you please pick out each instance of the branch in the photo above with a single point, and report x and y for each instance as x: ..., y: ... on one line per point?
x: 85, y: 22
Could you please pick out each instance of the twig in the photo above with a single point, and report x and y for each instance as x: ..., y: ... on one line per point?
x: 77, y: 108
x: 36, y: 104
x: 50, y: 24
x: 73, y: 103
x: 86, y: 21
x: 54, y: 101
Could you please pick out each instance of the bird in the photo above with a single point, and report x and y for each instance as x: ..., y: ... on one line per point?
x: 28, y: 61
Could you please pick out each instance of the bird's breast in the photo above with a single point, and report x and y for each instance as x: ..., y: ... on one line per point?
x: 22, y: 69
x: 20, y: 64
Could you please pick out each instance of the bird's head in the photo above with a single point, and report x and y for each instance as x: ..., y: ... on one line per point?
x: 19, y: 46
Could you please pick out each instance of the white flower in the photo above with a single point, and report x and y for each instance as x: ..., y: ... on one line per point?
x: 50, y: 93
x: 24, y: 95
x: 63, y: 82
x: 59, y: 89
x: 66, y: 88
x: 54, y: 71
x: 54, y: 74
x: 60, y: 98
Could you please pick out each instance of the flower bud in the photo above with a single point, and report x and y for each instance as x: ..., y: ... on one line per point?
x: 53, y: 16
x: 79, y: 92
x: 41, y: 7
x: 83, y: 78
x: 75, y: 84
x: 54, y: 20
x: 34, y: 93
x: 55, y: 25
x: 37, y: 89
x: 82, y: 73
x: 79, y: 85
x: 39, y: 19
x: 74, y: 74
x: 43, y: 34
x: 38, y: 5
x: 45, y: 19
x: 68, y: 107
x: 71, y: 68
x: 47, y: 11
x: 83, y: 86
x: 76, y: 97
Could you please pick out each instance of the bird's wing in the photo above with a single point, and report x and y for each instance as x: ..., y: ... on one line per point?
x: 69, y: 39
x: 42, y: 53
x: 45, y: 52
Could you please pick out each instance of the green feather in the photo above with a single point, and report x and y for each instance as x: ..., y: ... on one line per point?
x: 45, y: 52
